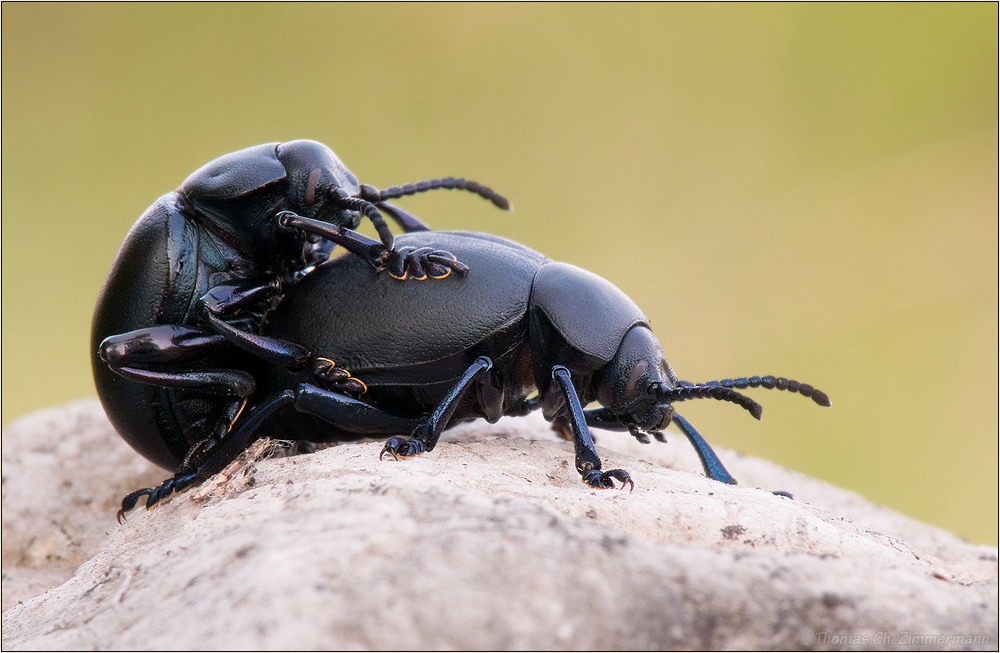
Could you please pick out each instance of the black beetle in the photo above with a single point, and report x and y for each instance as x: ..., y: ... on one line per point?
x: 471, y: 347
x: 180, y: 310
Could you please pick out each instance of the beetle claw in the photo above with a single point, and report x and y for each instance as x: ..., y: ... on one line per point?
x: 176, y: 483
x: 602, y: 480
x: 337, y: 379
x: 402, y: 448
x: 440, y: 264
x: 415, y: 262
x: 422, y: 263
x: 128, y: 503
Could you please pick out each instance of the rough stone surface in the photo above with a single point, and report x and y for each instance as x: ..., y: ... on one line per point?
x: 488, y: 542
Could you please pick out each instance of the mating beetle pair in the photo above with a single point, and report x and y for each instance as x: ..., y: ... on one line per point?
x: 431, y: 356
x: 179, y: 314
x: 213, y: 328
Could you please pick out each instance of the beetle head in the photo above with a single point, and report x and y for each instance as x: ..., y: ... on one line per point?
x: 319, y: 186
x: 238, y: 194
x: 317, y: 180
x: 629, y: 385
x: 639, y: 386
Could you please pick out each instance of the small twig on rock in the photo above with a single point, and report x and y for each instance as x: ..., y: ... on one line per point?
x: 238, y: 475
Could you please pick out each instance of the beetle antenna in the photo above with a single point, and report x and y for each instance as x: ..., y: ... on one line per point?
x: 342, y: 199
x: 704, y: 391
x: 375, y: 195
x: 773, y: 383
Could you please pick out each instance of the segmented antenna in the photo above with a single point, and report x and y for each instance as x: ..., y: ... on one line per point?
x: 705, y: 391
x: 369, y: 209
x: 772, y: 383
x: 373, y: 194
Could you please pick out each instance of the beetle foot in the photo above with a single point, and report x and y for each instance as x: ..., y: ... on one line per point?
x: 421, y: 263
x: 402, y: 448
x: 177, y: 483
x: 336, y: 378
x: 602, y: 480
x: 128, y: 503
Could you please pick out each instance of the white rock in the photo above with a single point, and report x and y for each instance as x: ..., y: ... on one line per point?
x: 488, y: 542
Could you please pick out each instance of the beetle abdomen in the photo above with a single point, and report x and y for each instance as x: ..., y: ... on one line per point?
x: 152, y: 281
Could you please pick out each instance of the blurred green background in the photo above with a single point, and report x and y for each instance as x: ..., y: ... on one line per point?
x: 805, y: 190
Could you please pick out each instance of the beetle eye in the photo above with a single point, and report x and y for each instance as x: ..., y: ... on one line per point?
x: 311, y: 186
x: 634, y: 376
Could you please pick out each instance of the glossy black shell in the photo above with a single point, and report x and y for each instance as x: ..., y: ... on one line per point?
x: 367, y: 321
x: 410, y: 341
x: 163, y: 267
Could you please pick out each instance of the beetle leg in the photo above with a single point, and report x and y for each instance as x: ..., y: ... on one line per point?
x: 236, y: 442
x: 421, y: 263
x: 197, y: 454
x: 447, y: 263
x: 215, y: 382
x: 595, y: 478
x: 714, y: 468
x: 410, y: 223
x: 586, y: 455
x: 604, y: 418
x: 402, y: 448
x: 272, y: 350
x: 166, y: 343
x: 176, y: 483
x: 587, y: 461
x: 375, y: 253
x: 173, y: 343
x: 360, y: 245
x: 226, y: 299
x: 350, y: 415
x: 129, y: 354
x: 415, y: 262
x: 600, y: 418
x: 425, y: 436
x: 404, y: 262
x: 217, y: 455
x: 190, y: 470
x: 128, y: 503
x: 336, y: 378
x: 126, y: 354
